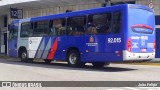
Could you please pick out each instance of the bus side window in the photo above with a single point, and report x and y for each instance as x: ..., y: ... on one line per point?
x: 99, y: 23
x: 41, y: 28
x: 116, y: 28
x: 26, y: 29
x: 76, y: 25
x: 57, y: 27
x: 91, y: 28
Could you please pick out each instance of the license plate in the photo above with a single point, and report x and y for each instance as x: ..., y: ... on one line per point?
x: 143, y: 50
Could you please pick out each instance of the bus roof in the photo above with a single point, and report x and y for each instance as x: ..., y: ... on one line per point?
x: 88, y: 11
x: 15, y: 21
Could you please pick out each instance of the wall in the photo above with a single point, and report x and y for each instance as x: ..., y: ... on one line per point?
x: 156, y: 4
x: 61, y: 9
x: 55, y: 10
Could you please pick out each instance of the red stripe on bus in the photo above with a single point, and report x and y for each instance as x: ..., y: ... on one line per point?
x: 53, y: 50
x: 142, y: 26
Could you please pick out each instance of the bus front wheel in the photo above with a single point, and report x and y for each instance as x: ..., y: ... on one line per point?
x: 98, y: 64
x: 24, y: 57
x: 74, y: 59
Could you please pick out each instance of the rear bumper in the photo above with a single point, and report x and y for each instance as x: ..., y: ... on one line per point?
x: 129, y: 56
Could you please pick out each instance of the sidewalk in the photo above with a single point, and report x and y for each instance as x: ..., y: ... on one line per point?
x: 156, y: 59
x: 4, y: 56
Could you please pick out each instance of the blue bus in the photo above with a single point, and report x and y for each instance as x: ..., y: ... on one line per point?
x: 102, y: 35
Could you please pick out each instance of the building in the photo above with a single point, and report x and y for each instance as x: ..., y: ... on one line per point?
x: 32, y: 8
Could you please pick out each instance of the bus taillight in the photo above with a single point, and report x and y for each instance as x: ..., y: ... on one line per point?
x: 154, y: 45
x: 129, y: 45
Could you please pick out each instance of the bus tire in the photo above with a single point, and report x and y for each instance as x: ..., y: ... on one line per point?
x: 24, y: 57
x: 47, y: 61
x: 73, y: 59
x: 98, y: 64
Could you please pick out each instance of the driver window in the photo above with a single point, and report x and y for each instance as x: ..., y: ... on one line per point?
x: 13, y: 32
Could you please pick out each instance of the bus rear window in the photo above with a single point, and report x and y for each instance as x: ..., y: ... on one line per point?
x: 143, y: 29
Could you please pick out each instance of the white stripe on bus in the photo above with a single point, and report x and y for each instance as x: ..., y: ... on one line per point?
x: 47, y: 50
x: 40, y: 51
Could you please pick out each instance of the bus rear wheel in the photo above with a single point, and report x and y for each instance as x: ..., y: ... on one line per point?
x: 98, y: 64
x: 74, y: 60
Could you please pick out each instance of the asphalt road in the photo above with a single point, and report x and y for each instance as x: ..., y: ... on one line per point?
x: 14, y: 70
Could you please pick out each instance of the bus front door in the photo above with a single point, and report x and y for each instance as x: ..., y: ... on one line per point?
x: 12, y: 42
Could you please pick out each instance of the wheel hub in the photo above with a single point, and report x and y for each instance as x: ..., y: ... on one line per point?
x: 73, y: 58
x: 24, y: 55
